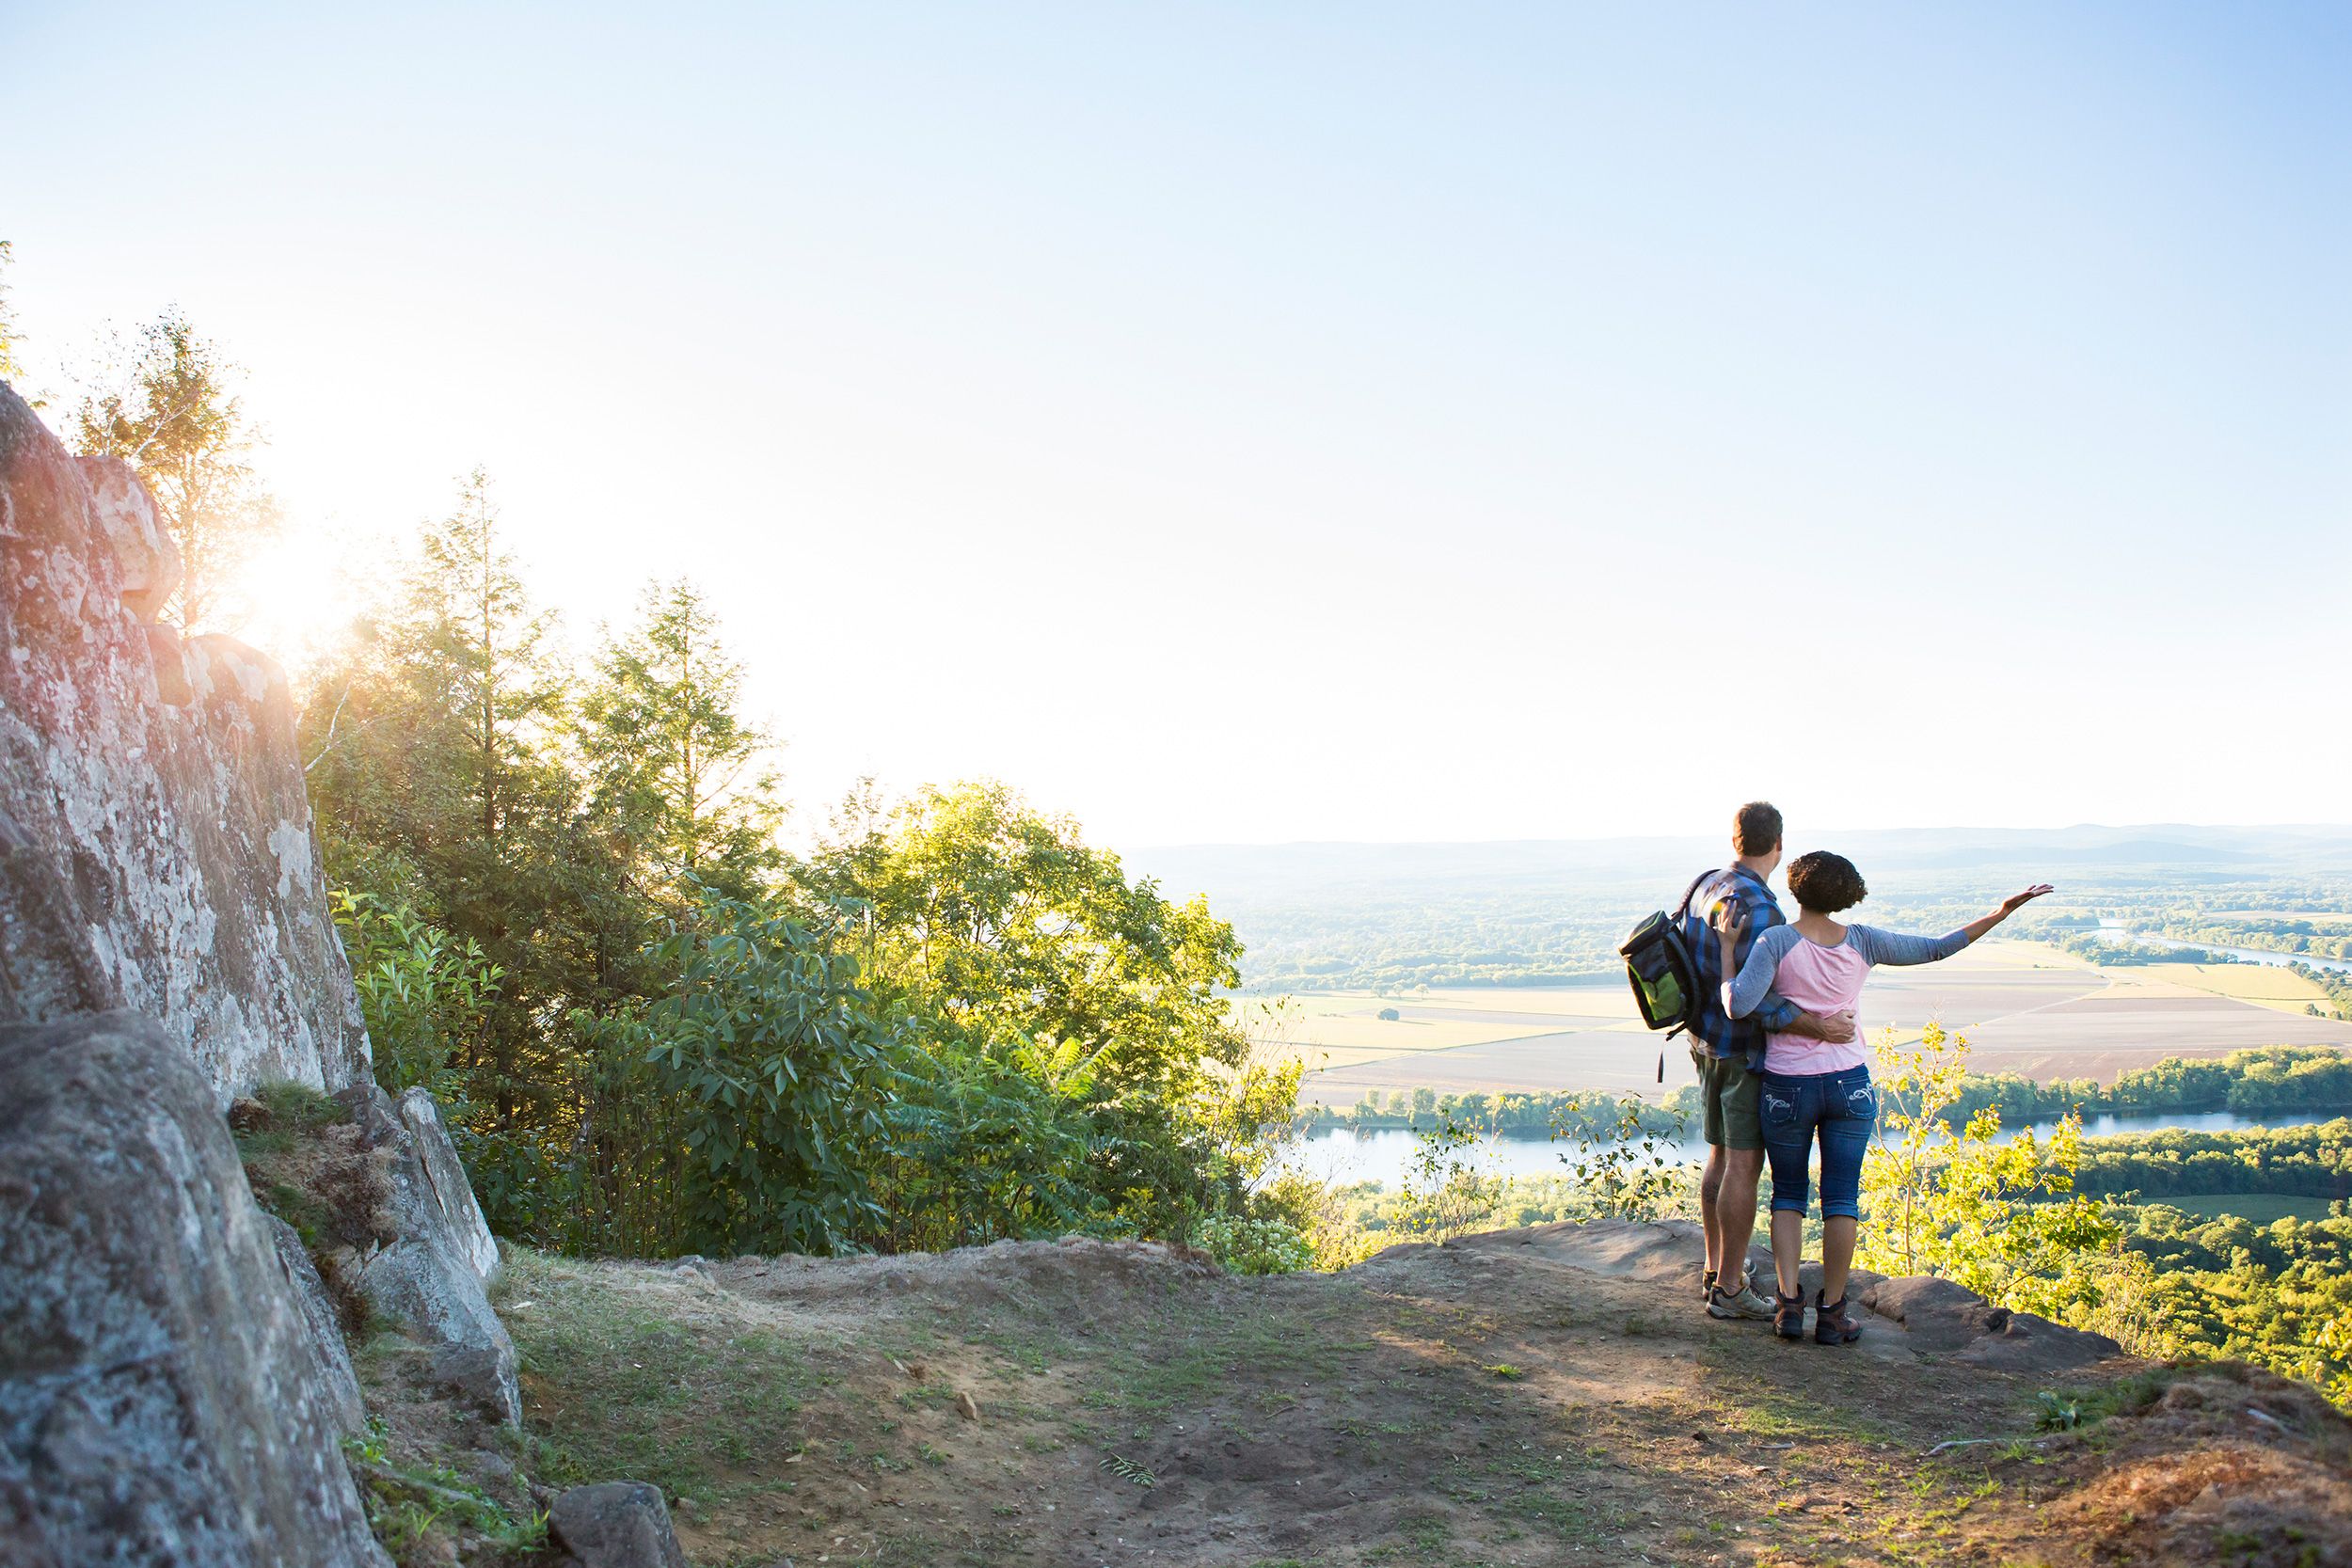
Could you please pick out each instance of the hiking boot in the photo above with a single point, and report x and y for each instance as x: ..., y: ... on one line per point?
x: 1742, y: 1303
x: 1831, y: 1324
x: 1707, y: 1281
x: 1788, y: 1315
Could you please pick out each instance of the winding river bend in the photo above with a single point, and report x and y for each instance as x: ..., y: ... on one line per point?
x: 1383, y: 1156
x: 2116, y: 931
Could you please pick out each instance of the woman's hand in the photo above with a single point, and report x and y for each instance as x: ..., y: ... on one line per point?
x: 2010, y: 906
x: 2016, y: 901
x: 1731, y: 924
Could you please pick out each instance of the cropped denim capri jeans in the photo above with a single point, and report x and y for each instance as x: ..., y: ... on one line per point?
x: 1842, y: 1108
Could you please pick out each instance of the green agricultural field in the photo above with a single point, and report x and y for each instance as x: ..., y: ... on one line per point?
x: 2025, y: 1008
x: 2261, y: 984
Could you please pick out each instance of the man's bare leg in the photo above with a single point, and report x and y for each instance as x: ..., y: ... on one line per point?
x: 1710, y: 1185
x: 1734, y: 1213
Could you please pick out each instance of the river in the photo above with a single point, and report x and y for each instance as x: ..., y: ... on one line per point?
x: 2116, y: 931
x: 1382, y: 1156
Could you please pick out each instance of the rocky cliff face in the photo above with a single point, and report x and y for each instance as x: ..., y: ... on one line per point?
x: 173, y: 1384
x: 156, y: 850
x: 166, y: 1394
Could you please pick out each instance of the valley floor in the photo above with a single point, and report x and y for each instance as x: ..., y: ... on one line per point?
x: 1547, y: 1395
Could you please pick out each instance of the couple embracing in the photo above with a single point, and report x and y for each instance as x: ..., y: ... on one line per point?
x: 1782, y: 1064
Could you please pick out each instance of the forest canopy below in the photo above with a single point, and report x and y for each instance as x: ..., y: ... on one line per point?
x: 572, y: 916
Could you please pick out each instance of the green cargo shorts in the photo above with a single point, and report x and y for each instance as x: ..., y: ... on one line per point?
x: 1731, y: 1098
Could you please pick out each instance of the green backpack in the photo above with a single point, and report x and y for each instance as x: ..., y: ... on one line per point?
x: 1666, y: 977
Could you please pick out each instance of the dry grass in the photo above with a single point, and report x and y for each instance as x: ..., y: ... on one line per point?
x: 1125, y: 1406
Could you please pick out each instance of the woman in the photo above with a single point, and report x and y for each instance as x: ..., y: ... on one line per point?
x: 1819, y: 963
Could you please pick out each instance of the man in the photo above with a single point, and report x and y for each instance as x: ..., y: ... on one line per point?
x: 1730, y: 1056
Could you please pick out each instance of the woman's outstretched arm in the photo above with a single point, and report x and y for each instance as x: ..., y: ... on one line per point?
x: 1900, y: 947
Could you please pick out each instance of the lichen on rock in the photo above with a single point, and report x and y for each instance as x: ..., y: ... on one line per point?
x: 163, y: 1397
x: 155, y: 842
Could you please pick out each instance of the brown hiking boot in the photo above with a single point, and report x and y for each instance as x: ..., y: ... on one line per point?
x: 1831, y: 1324
x: 1788, y: 1315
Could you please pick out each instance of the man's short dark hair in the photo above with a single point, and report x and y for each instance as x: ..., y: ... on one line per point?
x: 1755, y: 828
x: 1824, y: 882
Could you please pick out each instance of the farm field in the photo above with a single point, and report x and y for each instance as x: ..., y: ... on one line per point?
x: 2025, y: 1008
x: 2260, y: 984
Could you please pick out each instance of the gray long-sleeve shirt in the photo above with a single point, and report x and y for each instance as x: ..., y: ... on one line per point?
x: 1746, y: 991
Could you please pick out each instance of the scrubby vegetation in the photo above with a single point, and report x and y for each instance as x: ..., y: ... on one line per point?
x: 2076, y: 1228
x: 572, y: 917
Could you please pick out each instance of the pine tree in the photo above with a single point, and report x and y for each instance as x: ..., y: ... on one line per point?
x: 677, y: 771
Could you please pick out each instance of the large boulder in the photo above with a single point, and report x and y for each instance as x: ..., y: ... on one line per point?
x: 455, y: 1211
x: 161, y: 1400
x: 152, y: 856
x: 331, y: 1372
x: 1948, y: 1321
x: 614, y: 1524
x: 433, y: 1280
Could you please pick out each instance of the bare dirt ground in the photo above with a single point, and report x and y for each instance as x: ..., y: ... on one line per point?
x: 1545, y: 1396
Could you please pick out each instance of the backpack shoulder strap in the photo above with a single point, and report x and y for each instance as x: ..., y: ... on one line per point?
x: 1683, y: 909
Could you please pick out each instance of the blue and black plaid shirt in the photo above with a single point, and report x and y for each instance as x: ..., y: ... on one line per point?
x: 1724, y: 1034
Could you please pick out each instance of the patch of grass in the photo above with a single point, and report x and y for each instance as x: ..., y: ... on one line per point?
x: 924, y: 1396
x: 616, y: 1388
x: 1189, y: 1360
x: 298, y: 1108
x: 2123, y: 1395
x: 409, y: 1506
x: 1425, y: 1536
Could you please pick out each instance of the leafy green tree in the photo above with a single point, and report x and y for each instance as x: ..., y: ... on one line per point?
x: 998, y: 914
x: 421, y: 991
x: 991, y: 923
x: 674, y: 768
x: 167, y: 407
x: 764, y: 1032
x: 2001, y: 1218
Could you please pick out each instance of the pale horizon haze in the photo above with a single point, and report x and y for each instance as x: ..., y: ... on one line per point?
x: 1252, y: 424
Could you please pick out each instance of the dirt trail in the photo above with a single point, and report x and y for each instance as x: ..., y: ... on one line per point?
x: 1546, y: 1396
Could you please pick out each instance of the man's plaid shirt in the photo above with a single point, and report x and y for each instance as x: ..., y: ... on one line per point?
x: 1722, y: 1034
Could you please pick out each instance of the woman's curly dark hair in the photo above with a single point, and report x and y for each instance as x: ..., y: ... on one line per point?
x: 1824, y: 882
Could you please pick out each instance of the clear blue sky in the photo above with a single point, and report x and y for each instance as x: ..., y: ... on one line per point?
x: 1323, y: 421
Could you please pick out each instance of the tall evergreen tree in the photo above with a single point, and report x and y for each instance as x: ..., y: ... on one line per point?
x: 437, y: 769
x: 676, y: 768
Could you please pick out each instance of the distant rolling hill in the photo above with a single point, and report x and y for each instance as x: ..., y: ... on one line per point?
x: 1537, y: 910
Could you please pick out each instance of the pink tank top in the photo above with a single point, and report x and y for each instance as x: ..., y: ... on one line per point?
x: 1820, y: 980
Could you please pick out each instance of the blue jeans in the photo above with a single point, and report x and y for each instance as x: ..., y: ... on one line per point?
x: 1844, y: 1108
